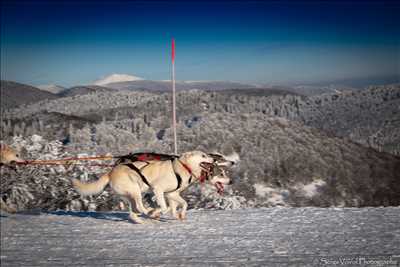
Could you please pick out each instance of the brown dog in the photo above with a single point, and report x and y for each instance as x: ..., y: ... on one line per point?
x: 8, y: 155
x: 8, y: 158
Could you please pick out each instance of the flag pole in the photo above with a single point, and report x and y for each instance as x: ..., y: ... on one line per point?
x: 173, y: 97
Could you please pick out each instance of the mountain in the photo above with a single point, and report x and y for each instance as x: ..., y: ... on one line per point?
x: 318, y: 90
x: 14, y: 94
x: 361, y: 82
x: 52, y: 88
x: 162, y: 86
x: 83, y: 90
x: 130, y: 82
x: 342, y: 85
x: 369, y: 117
x: 115, y: 78
x: 258, y: 91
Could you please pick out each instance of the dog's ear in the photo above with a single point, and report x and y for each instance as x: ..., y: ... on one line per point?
x: 216, y: 156
x: 186, y: 155
x: 5, y: 147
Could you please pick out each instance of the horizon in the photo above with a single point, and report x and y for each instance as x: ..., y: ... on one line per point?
x: 69, y: 43
x: 356, y: 83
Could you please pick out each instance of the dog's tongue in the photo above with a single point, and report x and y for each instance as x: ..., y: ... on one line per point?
x: 220, y: 188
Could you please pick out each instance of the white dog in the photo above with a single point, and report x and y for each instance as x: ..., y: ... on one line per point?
x: 165, y: 178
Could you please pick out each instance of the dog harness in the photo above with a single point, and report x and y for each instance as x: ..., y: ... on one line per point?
x: 128, y: 160
x: 137, y: 170
x: 147, y: 156
x: 144, y: 179
x: 179, y: 178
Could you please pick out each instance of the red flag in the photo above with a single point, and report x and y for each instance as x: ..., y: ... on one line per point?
x: 173, y: 50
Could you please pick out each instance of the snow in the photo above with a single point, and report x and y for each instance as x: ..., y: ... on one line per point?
x: 115, y: 78
x: 311, y: 189
x: 250, y: 237
x: 272, y: 196
x: 52, y: 88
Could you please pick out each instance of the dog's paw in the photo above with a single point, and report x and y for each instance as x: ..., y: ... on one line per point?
x: 181, y: 216
x: 156, y: 215
x: 134, y: 218
x: 6, y: 208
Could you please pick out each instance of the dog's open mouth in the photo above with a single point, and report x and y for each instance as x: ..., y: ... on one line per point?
x: 206, y: 166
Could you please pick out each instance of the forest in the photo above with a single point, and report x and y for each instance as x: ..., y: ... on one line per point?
x: 336, y: 149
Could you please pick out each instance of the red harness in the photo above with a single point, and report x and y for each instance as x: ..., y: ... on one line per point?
x: 202, y: 177
x: 186, y: 167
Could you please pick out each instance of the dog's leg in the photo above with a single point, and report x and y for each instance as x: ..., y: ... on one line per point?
x: 134, y: 196
x: 156, y: 213
x: 139, y: 203
x: 176, y: 198
x: 133, y: 214
x: 173, y: 206
x: 182, y: 214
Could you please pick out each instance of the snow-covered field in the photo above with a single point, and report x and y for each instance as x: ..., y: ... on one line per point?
x: 252, y: 237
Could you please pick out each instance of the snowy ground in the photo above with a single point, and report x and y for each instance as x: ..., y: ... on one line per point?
x: 255, y: 237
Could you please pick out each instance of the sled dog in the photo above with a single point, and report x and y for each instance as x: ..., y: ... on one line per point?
x: 166, y: 179
x: 8, y: 158
x: 218, y: 174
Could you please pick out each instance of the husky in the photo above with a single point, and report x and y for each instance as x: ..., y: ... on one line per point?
x: 219, y: 178
x: 224, y: 161
x: 166, y: 179
x: 8, y: 158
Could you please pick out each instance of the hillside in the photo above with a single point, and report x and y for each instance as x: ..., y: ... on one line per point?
x: 294, y: 150
x: 281, y: 163
x: 369, y: 117
x: 52, y: 88
x: 83, y: 90
x: 163, y: 86
x: 286, y: 163
x: 15, y: 94
x: 50, y: 124
x: 258, y: 91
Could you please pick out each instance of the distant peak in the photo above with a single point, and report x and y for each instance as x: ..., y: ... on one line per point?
x: 115, y: 78
x: 52, y: 88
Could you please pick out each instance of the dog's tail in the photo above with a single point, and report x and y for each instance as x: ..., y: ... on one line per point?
x: 93, y: 188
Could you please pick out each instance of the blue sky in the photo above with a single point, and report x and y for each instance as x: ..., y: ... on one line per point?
x: 279, y: 42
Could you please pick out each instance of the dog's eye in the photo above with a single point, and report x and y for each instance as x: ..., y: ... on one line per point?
x: 203, y: 156
x: 17, y: 155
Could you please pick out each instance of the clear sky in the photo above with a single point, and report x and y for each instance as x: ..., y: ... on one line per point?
x: 74, y: 42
